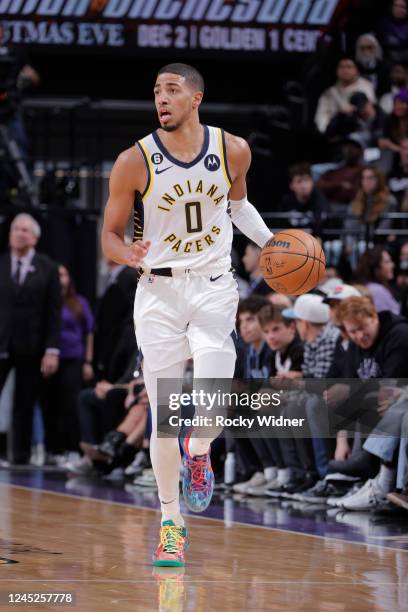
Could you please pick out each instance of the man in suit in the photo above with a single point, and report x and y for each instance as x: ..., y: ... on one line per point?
x: 30, y: 311
x: 114, y: 329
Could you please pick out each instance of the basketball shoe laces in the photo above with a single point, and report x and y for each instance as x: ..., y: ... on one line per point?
x: 171, y: 539
x: 198, y: 469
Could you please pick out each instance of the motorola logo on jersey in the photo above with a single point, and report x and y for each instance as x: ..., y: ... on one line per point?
x: 157, y: 158
x: 212, y: 162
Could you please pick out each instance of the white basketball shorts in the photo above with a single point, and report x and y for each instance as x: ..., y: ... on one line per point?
x: 176, y: 316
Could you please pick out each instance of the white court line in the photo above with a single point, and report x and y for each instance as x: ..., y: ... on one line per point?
x: 208, y: 518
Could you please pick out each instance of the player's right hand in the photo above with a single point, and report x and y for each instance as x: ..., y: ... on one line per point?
x: 137, y: 252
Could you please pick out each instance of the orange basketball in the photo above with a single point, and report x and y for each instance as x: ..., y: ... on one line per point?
x: 292, y: 262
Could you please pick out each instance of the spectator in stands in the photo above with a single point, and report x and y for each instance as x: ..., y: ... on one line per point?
x: 369, y: 59
x: 336, y: 99
x: 367, y: 122
x: 114, y: 329
x: 340, y: 185
x: 59, y: 402
x: 379, y: 340
x: 399, y: 80
x: 320, y: 340
x: 336, y: 392
x: 397, y: 128
x: 367, y: 210
x: 393, y: 32
x: 286, y: 363
x: 307, y: 203
x: 257, y: 285
x: 30, y: 312
x: 102, y: 408
x: 119, y: 446
x: 379, y: 343
x: 376, y: 271
x: 253, y: 362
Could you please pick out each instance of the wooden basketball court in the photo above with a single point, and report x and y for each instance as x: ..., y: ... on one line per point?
x: 101, y: 551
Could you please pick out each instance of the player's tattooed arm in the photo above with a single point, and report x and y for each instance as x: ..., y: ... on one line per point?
x: 128, y: 177
x: 243, y: 214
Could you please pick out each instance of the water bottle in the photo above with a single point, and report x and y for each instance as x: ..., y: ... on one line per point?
x: 229, y: 469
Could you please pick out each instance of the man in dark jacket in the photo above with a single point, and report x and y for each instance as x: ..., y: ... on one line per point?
x: 379, y: 341
x: 30, y: 311
x: 114, y: 330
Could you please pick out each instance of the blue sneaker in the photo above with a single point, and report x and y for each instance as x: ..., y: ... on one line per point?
x: 198, y: 478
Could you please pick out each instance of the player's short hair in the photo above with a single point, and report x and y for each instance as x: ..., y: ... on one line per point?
x: 301, y: 169
x: 191, y: 74
x: 270, y: 313
x: 356, y: 309
x: 252, y: 304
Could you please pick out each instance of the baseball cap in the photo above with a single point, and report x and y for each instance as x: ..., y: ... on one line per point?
x: 359, y: 100
x: 341, y: 292
x: 309, y: 307
x: 328, y: 285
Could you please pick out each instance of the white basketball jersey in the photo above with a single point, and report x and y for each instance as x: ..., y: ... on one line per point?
x: 183, y: 211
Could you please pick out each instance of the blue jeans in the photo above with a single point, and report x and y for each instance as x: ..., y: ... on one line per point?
x: 391, y: 432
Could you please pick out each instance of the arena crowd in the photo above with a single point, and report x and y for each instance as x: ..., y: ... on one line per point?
x: 80, y: 401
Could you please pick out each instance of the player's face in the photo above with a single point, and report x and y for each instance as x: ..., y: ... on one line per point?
x: 249, y: 328
x: 278, y: 335
x: 363, y: 333
x: 174, y: 100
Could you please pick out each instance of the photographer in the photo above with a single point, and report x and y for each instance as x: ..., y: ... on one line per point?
x: 16, y: 76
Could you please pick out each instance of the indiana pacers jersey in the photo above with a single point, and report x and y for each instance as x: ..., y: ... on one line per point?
x: 183, y: 210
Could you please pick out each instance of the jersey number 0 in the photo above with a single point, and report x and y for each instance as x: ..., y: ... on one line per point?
x: 194, y: 220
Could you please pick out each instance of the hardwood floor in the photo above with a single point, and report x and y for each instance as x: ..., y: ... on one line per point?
x: 101, y: 552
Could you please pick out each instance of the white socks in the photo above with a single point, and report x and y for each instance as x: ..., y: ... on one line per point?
x: 171, y: 512
x: 385, y: 479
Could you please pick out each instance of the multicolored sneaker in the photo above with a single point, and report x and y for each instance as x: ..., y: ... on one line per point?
x: 173, y: 542
x: 197, y: 478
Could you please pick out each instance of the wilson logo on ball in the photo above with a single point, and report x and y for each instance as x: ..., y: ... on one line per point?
x: 279, y: 243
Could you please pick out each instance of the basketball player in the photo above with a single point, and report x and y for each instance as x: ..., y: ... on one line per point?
x: 179, y: 181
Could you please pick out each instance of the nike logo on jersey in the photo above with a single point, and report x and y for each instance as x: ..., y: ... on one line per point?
x: 158, y: 171
x: 216, y: 278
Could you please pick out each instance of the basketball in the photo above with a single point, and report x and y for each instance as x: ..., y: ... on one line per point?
x: 292, y: 262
